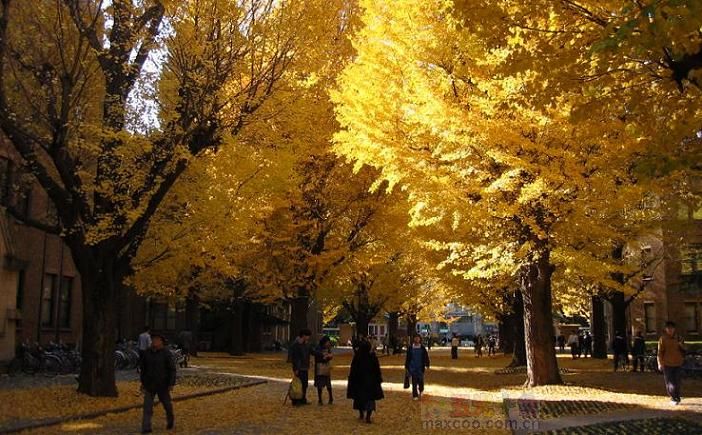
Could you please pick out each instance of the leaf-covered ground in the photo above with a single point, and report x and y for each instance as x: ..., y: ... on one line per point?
x: 462, y: 395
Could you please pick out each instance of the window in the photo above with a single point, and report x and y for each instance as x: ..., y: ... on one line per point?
x: 650, y: 317
x: 691, y: 259
x: 65, y: 299
x: 47, y: 300
x: 691, y: 317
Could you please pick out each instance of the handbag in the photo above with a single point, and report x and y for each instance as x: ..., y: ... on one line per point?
x: 407, y: 380
x: 323, y: 369
x: 295, y: 390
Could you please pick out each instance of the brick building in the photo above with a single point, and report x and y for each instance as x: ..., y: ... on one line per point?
x: 672, y: 284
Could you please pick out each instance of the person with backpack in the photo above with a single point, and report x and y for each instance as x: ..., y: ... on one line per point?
x: 365, y: 381
x: 416, y: 363
x: 322, y: 369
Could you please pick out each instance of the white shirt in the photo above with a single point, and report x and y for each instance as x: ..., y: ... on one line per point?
x: 144, y: 341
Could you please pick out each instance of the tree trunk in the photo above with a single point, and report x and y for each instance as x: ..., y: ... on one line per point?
x: 236, y: 343
x: 393, y: 325
x: 362, y: 320
x: 411, y: 327
x: 519, y: 357
x: 192, y: 320
x: 542, y: 367
x: 599, y: 336
x: 298, y: 315
x: 100, y: 292
x: 618, y: 302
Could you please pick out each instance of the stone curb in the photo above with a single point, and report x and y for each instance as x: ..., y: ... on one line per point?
x: 58, y: 420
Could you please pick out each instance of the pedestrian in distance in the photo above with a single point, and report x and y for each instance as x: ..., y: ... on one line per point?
x: 561, y: 343
x: 581, y: 344
x: 300, y: 360
x: 416, y: 363
x: 638, y: 351
x: 454, y: 346
x: 671, y: 355
x: 158, y: 376
x: 322, y: 369
x: 491, y: 342
x: 365, y: 381
x: 587, y: 344
x: 479, y: 346
x: 144, y: 340
x: 619, y: 350
x: 573, y: 344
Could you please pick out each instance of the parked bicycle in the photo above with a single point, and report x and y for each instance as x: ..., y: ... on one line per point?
x: 34, y: 359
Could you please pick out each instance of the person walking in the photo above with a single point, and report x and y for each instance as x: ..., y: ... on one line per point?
x: 322, y: 369
x: 587, y: 344
x: 619, y: 350
x: 144, y: 341
x: 454, y: 346
x: 492, y: 342
x: 158, y: 376
x: 479, y: 346
x: 561, y: 343
x: 671, y: 355
x: 573, y: 344
x: 300, y: 359
x: 365, y: 381
x: 638, y: 350
x: 416, y: 362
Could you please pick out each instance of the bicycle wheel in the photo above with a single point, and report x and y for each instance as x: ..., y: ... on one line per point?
x: 51, y: 366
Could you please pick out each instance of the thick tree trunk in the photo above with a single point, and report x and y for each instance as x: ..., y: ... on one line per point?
x: 100, y: 292
x: 253, y: 329
x: 506, y: 333
x: 597, y: 323
x: 298, y: 315
x: 236, y: 343
x: 542, y: 367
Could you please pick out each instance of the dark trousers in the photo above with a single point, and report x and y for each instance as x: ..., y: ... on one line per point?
x: 304, y: 378
x: 638, y: 361
x: 164, y: 396
x: 620, y: 358
x: 586, y: 351
x: 574, y: 351
x: 454, y: 352
x: 672, y: 377
x: 417, y: 383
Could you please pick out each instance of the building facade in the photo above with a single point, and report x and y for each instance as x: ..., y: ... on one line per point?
x: 672, y: 284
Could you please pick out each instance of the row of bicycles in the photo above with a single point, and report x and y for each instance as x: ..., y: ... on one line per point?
x: 692, y: 367
x: 58, y: 358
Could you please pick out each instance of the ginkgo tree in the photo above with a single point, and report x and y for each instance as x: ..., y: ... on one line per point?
x: 64, y: 108
x: 503, y: 141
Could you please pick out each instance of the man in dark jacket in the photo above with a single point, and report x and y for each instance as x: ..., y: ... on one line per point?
x: 416, y: 362
x: 158, y: 376
x: 300, y: 359
x: 638, y: 351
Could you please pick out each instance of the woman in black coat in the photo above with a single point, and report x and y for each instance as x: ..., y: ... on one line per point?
x: 364, y: 381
